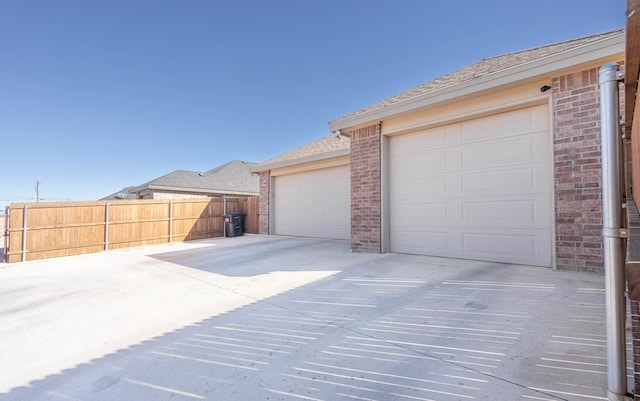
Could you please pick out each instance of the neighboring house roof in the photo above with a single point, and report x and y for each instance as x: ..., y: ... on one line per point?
x: 124, y: 193
x: 324, y: 148
x: 489, y: 73
x: 234, y: 177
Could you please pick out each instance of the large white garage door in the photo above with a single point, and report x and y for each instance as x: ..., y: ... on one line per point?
x: 478, y: 189
x: 313, y: 204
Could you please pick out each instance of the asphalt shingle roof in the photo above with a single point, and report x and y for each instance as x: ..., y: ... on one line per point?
x: 486, y: 67
x: 232, y: 176
x: 329, y: 145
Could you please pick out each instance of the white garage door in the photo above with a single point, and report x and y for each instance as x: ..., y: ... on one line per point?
x: 313, y: 204
x: 479, y: 189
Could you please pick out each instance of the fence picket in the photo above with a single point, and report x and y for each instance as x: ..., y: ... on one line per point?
x: 71, y: 228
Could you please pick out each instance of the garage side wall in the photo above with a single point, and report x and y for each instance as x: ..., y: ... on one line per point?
x: 577, y: 172
x: 366, y: 175
x: 263, y: 210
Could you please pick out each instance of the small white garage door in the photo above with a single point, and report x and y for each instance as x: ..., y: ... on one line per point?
x: 313, y: 203
x: 479, y: 189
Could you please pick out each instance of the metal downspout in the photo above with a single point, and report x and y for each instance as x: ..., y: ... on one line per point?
x: 613, y: 233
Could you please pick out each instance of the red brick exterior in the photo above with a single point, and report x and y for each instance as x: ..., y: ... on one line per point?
x: 577, y: 178
x: 635, y: 338
x: 263, y: 210
x: 366, y: 175
x: 577, y: 171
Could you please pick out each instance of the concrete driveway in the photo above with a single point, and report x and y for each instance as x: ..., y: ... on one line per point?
x: 279, y: 318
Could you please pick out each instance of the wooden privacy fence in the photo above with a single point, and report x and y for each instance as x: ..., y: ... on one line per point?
x: 47, y: 230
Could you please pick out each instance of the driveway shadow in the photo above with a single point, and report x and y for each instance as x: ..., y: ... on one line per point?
x: 254, y: 255
x: 388, y: 328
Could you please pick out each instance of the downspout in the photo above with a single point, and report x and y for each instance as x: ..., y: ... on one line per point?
x: 613, y: 233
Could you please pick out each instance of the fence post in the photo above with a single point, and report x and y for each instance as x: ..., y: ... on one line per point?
x: 106, y: 226
x: 24, y: 233
x: 224, y: 217
x: 170, y: 220
x: 6, y: 235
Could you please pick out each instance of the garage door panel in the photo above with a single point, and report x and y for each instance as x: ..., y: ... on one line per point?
x: 523, y: 247
x: 507, y: 213
x: 511, y: 151
x: 489, y: 244
x: 339, y: 231
x: 313, y: 203
x: 506, y: 124
x: 530, y: 180
x: 521, y: 179
x: 307, y: 230
x: 419, y: 187
x: 421, y: 214
x: 506, y: 246
x: 418, y: 143
x: 490, y: 198
x: 434, y: 162
x: 431, y: 242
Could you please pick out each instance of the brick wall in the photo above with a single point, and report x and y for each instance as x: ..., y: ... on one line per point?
x: 635, y: 335
x: 577, y: 171
x: 632, y: 272
x: 263, y: 210
x: 366, y: 174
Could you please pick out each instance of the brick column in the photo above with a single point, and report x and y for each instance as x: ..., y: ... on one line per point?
x: 366, y: 169
x: 577, y: 171
x: 263, y: 210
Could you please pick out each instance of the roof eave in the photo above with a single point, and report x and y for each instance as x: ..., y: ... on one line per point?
x: 198, y: 190
x: 307, y: 159
x: 589, y: 53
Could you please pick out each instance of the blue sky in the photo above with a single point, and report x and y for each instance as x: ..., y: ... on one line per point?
x: 99, y: 95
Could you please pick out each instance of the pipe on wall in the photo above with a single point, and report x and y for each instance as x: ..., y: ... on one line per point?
x: 613, y: 233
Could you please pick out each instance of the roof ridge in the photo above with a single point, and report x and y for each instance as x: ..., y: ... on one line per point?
x: 580, y: 39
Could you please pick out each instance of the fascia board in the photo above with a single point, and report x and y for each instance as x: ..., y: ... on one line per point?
x: 562, y: 61
x: 238, y: 193
x: 199, y: 190
x: 300, y: 160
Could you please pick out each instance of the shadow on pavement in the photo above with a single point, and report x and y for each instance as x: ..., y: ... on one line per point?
x: 393, y: 327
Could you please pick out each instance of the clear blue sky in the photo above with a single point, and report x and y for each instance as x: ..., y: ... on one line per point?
x: 99, y: 95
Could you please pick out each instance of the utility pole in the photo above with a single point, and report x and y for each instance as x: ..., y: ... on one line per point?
x: 37, y: 191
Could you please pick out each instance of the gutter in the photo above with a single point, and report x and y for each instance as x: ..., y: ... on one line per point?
x: 201, y: 191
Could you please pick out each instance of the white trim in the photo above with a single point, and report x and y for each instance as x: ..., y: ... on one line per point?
x: 300, y: 167
x: 187, y: 190
x: 554, y: 225
x: 301, y: 160
x: 272, y: 183
x: 385, y: 196
x: 467, y: 115
x: 593, y: 52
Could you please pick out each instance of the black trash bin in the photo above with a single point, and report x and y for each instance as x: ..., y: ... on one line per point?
x: 233, y: 224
